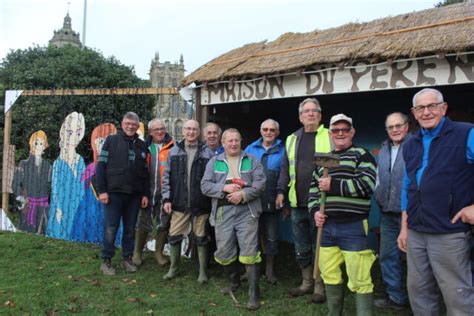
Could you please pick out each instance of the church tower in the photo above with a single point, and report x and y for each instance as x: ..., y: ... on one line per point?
x: 66, y: 36
x: 172, y: 109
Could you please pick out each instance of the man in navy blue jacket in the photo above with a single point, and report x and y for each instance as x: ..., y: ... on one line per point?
x: 438, y: 182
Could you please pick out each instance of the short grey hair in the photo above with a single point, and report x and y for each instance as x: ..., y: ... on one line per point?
x: 228, y: 131
x: 155, y: 121
x: 308, y: 100
x: 131, y: 116
x: 403, y: 116
x: 270, y: 121
x: 438, y: 94
x: 219, y: 130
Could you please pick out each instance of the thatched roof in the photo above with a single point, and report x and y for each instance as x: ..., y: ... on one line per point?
x: 448, y: 29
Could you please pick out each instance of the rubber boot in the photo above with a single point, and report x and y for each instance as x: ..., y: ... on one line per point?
x: 306, y: 286
x: 254, y: 288
x: 140, y: 240
x: 160, y: 239
x: 202, y: 256
x: 335, y: 298
x: 269, y: 272
x: 232, y: 270
x: 175, y: 256
x: 364, y: 304
x: 318, y: 296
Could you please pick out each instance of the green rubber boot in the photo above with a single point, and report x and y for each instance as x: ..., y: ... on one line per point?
x: 160, y: 239
x: 175, y: 256
x: 140, y: 240
x: 335, y: 299
x: 364, y: 304
x: 202, y: 256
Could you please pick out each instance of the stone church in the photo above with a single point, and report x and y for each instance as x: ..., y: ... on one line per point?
x: 172, y: 109
x: 66, y: 36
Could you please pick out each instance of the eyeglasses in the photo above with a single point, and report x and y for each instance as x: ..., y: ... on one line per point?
x: 159, y: 129
x: 271, y: 130
x: 191, y: 129
x: 395, y: 127
x: 341, y: 130
x: 421, y: 108
x: 307, y: 111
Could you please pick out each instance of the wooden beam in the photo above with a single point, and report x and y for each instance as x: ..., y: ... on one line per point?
x: 113, y: 91
x: 6, y: 147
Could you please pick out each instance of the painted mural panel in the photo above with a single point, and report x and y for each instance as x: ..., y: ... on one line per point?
x: 67, y: 190
x: 31, y: 183
x: 88, y: 224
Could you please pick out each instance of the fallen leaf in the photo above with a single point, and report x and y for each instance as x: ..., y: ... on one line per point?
x: 69, y: 276
x: 72, y: 310
x: 133, y: 299
x: 125, y: 280
x: 10, y: 304
x: 133, y: 281
x: 153, y: 295
x: 149, y: 311
x: 212, y: 304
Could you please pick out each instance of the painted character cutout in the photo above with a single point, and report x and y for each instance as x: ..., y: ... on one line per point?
x: 89, y: 219
x: 67, y: 189
x: 31, y: 184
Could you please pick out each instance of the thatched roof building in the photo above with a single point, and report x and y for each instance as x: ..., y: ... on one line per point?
x: 436, y: 31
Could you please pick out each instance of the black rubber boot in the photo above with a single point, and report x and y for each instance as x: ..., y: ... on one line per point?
x: 254, y: 288
x: 232, y: 270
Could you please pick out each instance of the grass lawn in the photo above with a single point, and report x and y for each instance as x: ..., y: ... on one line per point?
x: 39, y: 275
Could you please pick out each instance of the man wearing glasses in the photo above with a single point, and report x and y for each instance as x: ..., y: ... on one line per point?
x: 159, y: 144
x: 438, y: 182
x: 294, y: 181
x: 269, y: 150
x: 390, y: 172
x: 344, y: 238
x: 183, y: 199
x: 123, y: 186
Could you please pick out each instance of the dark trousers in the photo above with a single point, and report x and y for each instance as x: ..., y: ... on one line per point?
x: 123, y: 207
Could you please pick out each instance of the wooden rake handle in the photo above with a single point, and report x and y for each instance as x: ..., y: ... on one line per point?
x: 322, y: 206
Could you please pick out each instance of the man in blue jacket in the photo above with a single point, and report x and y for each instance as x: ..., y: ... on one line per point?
x: 269, y: 150
x: 390, y: 170
x: 438, y: 182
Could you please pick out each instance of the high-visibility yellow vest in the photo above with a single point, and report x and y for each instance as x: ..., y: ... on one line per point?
x: 322, y: 145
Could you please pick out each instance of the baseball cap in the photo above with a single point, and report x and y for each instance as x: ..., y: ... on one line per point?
x: 340, y: 117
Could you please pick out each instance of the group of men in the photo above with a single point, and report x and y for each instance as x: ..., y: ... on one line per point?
x: 423, y: 183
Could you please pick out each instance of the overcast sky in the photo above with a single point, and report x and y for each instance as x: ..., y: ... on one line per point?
x: 132, y: 30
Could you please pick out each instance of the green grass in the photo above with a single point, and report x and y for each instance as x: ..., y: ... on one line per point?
x: 39, y: 276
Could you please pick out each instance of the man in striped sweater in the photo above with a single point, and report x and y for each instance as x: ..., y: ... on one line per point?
x: 344, y: 238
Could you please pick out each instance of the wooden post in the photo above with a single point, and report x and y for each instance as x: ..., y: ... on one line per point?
x: 6, y: 148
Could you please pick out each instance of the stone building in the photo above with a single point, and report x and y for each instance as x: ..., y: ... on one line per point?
x: 66, y: 36
x: 172, y: 109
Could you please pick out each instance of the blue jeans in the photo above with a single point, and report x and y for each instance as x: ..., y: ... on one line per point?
x: 268, y: 228
x: 390, y: 260
x: 123, y: 207
x: 304, y: 232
